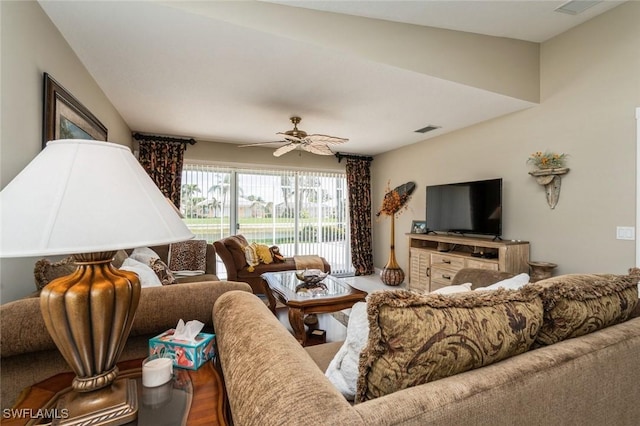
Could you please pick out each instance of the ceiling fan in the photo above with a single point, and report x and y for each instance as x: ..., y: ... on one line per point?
x: 296, y: 138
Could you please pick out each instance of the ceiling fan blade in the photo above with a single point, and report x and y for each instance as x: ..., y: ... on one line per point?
x: 284, y: 149
x: 317, y: 148
x: 260, y: 144
x: 290, y: 138
x: 326, y: 139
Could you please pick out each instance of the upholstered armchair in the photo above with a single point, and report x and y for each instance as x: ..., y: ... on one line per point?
x: 231, y: 251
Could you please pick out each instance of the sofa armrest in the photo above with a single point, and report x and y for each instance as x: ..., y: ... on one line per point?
x: 227, y: 259
x: 479, y: 277
x: 263, y: 365
x: 22, y: 328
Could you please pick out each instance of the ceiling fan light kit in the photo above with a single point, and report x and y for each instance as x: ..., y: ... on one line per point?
x: 296, y: 138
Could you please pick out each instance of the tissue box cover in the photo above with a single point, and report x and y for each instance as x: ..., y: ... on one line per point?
x: 185, y: 354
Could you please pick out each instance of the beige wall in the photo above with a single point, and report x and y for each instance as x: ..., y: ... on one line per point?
x: 31, y: 45
x: 590, y: 87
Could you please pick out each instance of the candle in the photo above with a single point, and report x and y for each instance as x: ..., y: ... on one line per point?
x: 156, y: 371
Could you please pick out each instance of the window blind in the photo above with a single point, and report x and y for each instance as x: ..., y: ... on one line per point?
x: 300, y: 211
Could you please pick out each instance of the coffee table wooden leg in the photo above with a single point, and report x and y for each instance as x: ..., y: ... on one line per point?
x: 296, y: 317
x: 272, y: 300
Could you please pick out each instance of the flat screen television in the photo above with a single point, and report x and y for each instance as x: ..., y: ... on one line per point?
x: 466, y: 207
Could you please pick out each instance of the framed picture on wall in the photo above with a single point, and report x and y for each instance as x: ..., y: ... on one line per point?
x: 66, y: 118
x: 419, y: 227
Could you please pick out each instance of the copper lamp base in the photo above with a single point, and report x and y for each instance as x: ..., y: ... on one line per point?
x: 114, y: 405
x: 89, y: 314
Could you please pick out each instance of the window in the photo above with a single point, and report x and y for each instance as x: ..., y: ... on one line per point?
x: 302, y: 212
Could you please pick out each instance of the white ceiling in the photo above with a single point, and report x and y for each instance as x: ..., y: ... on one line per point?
x: 172, y: 72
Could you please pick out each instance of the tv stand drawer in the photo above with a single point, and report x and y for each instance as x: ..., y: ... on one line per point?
x: 481, y: 264
x: 454, y: 263
x: 441, y: 277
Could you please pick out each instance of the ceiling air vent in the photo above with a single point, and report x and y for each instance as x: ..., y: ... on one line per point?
x: 429, y: 128
x: 575, y: 7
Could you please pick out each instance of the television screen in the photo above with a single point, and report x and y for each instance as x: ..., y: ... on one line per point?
x: 466, y: 208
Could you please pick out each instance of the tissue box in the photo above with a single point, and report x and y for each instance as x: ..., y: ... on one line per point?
x: 185, y: 354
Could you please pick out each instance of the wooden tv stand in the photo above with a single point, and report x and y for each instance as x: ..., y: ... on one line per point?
x: 435, y: 258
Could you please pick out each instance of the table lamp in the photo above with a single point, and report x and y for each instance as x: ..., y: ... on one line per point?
x: 89, y: 199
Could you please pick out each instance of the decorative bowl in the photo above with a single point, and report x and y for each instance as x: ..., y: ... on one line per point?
x: 311, y: 276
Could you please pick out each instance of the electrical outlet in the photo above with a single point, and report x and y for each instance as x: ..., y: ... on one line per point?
x: 625, y: 233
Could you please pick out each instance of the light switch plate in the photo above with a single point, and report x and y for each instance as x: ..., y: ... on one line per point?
x: 625, y: 233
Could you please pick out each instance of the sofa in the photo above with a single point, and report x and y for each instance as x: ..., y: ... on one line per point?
x: 46, y: 271
x: 271, y: 380
x: 210, y: 273
x: 28, y: 354
x: 232, y: 254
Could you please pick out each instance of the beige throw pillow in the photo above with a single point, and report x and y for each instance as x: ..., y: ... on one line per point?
x: 416, y: 338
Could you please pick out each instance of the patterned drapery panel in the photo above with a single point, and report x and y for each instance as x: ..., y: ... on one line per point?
x: 359, y: 184
x: 163, y: 162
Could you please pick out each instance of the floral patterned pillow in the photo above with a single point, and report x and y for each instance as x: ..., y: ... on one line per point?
x: 163, y: 272
x: 46, y: 271
x: 416, y: 338
x: 578, y: 304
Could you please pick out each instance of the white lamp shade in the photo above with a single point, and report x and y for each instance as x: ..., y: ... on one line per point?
x: 81, y: 196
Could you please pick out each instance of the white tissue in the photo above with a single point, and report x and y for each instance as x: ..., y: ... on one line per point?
x: 188, y: 331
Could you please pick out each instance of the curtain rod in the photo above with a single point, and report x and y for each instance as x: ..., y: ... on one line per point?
x: 141, y: 137
x: 340, y: 156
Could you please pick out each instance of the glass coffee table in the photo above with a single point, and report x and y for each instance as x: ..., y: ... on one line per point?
x: 337, y: 296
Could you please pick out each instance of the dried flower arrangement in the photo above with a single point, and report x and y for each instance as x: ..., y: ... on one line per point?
x: 395, y: 201
x: 547, y: 160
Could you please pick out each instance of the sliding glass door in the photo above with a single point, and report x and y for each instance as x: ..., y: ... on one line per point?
x: 302, y: 212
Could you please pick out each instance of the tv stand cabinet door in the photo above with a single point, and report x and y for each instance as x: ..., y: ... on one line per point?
x: 419, y: 268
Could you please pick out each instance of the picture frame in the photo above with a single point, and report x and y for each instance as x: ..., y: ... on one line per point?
x: 419, y: 227
x: 64, y: 117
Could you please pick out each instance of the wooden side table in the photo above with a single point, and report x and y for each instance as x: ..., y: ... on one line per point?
x: 204, y: 396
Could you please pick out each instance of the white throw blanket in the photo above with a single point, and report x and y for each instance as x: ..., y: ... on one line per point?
x: 343, y: 368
